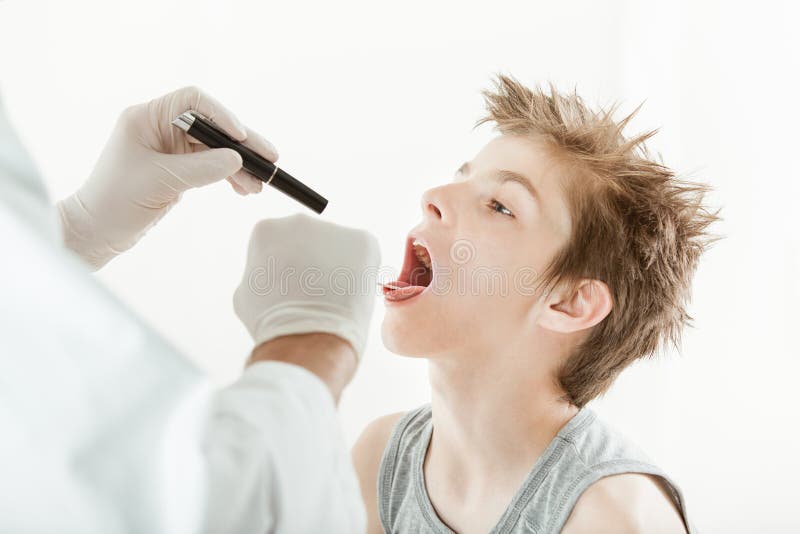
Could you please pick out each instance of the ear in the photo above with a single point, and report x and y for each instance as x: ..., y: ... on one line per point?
x: 582, y: 308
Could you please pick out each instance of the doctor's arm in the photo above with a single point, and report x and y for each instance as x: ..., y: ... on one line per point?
x: 277, y: 459
x: 144, y: 169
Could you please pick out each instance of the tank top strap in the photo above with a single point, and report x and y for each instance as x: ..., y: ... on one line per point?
x: 396, y: 480
x: 580, y: 455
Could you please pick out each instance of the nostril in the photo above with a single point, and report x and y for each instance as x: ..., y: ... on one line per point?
x: 435, y: 210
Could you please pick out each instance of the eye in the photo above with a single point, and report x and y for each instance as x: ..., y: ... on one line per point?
x: 499, y: 208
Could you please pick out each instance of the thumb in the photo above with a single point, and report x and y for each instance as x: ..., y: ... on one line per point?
x: 202, y: 168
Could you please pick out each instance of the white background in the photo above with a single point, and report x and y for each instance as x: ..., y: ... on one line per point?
x: 372, y: 103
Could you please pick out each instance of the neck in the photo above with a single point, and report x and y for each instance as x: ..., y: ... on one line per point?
x: 494, y: 416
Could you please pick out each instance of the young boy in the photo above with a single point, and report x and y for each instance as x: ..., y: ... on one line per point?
x: 557, y: 256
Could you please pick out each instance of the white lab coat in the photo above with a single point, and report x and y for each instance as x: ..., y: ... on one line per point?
x: 104, y: 428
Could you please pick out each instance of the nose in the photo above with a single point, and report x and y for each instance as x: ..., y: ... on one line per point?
x: 433, y: 204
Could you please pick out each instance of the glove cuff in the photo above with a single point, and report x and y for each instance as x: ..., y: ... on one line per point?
x: 304, y: 317
x: 80, y: 233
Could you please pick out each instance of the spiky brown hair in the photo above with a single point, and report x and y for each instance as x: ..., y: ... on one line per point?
x: 635, y: 227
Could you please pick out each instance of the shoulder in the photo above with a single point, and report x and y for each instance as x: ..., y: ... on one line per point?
x: 367, y: 454
x: 632, y: 502
x: 373, y: 439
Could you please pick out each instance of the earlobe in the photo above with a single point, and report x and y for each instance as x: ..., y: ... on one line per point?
x: 581, y: 309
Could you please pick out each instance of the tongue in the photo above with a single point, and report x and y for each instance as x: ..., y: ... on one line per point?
x: 401, y: 291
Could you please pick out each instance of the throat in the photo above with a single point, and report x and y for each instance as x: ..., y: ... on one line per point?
x: 485, y: 422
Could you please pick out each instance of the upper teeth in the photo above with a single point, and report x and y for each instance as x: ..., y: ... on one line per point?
x: 422, y: 254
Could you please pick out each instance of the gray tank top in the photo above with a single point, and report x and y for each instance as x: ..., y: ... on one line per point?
x: 584, y: 451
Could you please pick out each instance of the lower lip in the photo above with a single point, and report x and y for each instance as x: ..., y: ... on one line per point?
x: 402, y: 294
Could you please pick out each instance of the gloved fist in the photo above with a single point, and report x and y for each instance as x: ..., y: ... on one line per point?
x: 145, y: 167
x: 307, y: 275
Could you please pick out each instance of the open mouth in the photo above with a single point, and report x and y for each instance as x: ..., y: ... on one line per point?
x: 415, y: 276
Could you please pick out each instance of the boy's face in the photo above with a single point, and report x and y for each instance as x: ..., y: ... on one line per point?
x: 488, y: 236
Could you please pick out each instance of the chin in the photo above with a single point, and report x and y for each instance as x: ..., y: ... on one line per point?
x: 411, y: 338
x: 399, y: 338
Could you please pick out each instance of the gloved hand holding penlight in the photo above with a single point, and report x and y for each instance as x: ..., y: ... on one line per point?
x: 212, y: 136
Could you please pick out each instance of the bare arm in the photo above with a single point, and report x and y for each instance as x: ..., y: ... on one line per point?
x: 367, y: 453
x: 629, y: 503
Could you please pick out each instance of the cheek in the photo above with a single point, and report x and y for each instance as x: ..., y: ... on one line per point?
x: 498, y: 293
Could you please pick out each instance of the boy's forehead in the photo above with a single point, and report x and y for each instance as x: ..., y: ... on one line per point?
x: 523, y: 155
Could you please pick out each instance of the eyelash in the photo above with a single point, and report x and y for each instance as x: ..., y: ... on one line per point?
x: 494, y: 203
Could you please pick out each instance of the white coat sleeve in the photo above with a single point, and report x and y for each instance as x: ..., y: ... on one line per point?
x: 277, y: 461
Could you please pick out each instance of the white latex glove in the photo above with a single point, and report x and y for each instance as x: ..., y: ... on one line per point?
x: 145, y: 167
x: 307, y: 275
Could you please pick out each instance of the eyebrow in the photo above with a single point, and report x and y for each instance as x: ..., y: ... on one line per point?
x: 504, y: 176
